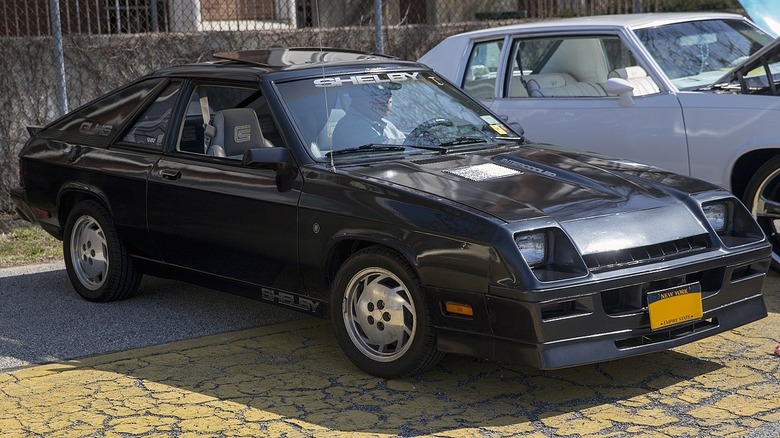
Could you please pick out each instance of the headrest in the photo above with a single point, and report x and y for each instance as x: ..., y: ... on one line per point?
x: 631, y: 72
x: 237, y: 130
x: 548, y: 81
x: 479, y: 71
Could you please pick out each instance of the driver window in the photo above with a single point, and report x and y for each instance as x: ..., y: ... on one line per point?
x: 573, y: 67
x: 225, y: 121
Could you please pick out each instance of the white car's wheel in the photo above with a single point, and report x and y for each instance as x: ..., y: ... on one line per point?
x: 97, y: 262
x: 380, y: 316
x: 762, y: 198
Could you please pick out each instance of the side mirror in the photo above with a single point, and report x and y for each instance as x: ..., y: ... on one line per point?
x: 278, y: 159
x: 622, y: 89
x: 273, y: 158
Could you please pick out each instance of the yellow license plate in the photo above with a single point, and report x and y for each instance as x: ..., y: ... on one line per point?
x: 674, y: 306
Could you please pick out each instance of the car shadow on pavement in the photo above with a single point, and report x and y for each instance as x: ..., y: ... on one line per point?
x: 42, y: 319
x: 295, y: 375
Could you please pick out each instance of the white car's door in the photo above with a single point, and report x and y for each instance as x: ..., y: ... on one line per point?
x: 651, y: 131
x: 558, y: 92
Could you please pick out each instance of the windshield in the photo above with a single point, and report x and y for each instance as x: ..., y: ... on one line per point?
x: 696, y: 54
x: 395, y: 112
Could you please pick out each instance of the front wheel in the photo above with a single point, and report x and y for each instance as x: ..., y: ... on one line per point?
x: 762, y: 198
x: 98, y: 264
x: 380, y: 317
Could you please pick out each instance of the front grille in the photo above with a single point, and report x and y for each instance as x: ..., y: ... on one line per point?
x: 606, y: 261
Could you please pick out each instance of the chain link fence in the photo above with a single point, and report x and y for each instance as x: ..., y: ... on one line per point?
x: 60, y: 54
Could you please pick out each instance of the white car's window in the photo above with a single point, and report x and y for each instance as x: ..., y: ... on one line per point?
x: 695, y: 54
x: 480, y: 76
x: 573, y: 67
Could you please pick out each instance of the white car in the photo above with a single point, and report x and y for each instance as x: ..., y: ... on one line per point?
x: 694, y: 93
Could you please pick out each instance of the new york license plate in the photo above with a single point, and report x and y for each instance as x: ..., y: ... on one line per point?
x: 674, y: 306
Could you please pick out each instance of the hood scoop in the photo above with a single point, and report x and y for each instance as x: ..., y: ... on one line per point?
x: 483, y: 172
x: 438, y: 159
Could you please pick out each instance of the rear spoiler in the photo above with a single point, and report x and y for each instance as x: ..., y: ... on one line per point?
x: 34, y: 129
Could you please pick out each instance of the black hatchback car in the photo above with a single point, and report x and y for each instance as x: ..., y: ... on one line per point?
x: 374, y: 192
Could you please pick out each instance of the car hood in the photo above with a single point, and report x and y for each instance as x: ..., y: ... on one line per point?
x: 750, y: 63
x: 589, y: 196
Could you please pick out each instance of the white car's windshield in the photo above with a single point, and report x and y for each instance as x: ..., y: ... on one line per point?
x: 697, y: 53
x: 387, y: 112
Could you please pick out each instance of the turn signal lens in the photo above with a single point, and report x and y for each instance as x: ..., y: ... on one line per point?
x: 458, y: 308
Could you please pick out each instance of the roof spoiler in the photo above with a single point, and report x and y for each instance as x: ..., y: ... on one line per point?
x: 34, y: 129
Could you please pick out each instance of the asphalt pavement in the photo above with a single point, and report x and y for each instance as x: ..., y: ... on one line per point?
x: 181, y: 361
x: 42, y: 319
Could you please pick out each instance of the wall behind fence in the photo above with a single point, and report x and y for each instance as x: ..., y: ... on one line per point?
x: 110, y: 42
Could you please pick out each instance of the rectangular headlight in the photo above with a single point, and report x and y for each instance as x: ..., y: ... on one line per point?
x: 533, y: 247
x: 717, y: 215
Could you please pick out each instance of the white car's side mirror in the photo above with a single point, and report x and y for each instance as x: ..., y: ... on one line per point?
x: 621, y: 88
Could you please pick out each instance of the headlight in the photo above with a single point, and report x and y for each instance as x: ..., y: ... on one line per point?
x: 717, y: 215
x: 533, y: 247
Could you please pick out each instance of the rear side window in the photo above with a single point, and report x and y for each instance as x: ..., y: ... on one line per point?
x: 99, y: 121
x: 480, y: 76
x: 151, y: 129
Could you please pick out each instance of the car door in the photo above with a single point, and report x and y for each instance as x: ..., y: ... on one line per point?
x: 212, y: 214
x: 554, y: 87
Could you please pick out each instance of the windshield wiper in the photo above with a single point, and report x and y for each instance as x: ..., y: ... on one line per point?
x: 371, y: 147
x: 463, y: 140
x: 440, y: 149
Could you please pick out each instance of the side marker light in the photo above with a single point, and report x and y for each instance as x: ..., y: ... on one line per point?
x: 458, y: 308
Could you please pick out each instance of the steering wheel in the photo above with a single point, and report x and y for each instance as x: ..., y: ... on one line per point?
x: 423, y: 135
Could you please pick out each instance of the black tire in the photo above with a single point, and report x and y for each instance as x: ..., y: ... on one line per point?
x: 98, y: 264
x: 762, y: 198
x: 388, y: 333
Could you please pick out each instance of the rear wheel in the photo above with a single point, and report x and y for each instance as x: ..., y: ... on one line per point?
x: 762, y: 198
x: 98, y: 264
x: 381, y: 318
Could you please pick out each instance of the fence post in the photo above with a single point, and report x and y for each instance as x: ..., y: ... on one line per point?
x: 380, y: 39
x: 637, y: 6
x: 59, y: 56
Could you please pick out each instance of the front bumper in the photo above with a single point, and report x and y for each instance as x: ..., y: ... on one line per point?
x: 602, y: 320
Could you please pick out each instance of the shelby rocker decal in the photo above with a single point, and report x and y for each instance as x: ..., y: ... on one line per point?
x: 298, y: 302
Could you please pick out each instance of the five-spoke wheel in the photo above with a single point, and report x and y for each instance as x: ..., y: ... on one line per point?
x: 380, y: 315
x: 98, y: 264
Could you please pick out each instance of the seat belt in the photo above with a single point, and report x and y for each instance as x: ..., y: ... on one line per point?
x: 208, y: 130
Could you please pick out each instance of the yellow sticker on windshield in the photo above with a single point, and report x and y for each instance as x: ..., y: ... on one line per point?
x: 499, y: 129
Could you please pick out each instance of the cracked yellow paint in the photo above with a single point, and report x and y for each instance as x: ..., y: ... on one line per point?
x: 292, y: 380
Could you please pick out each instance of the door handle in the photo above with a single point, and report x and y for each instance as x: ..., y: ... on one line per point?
x: 170, y: 174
